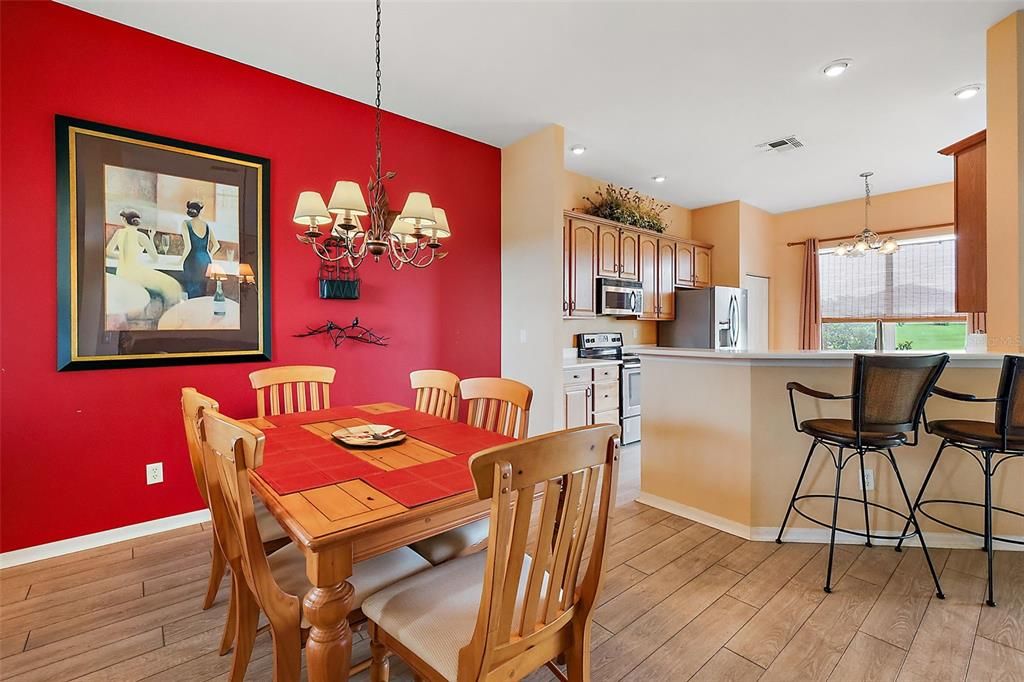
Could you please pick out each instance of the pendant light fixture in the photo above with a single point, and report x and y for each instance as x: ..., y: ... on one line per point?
x: 868, y: 240
x: 413, y: 238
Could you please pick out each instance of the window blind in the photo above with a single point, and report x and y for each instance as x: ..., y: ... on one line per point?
x: 918, y: 281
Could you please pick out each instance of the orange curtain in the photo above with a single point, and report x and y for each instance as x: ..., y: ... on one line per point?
x: 810, y: 299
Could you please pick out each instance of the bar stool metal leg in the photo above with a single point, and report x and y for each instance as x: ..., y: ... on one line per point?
x: 989, y: 549
x: 799, y: 482
x: 917, y: 526
x: 920, y: 494
x: 835, y: 521
x: 864, y: 494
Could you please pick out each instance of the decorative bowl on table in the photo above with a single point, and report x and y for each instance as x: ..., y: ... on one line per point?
x: 369, y: 436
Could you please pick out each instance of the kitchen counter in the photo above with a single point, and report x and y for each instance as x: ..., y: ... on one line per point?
x: 576, y: 363
x: 719, y: 444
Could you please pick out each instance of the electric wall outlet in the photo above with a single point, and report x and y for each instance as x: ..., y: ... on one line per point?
x: 869, y: 479
x: 154, y: 473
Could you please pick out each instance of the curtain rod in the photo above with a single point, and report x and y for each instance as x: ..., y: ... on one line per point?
x: 899, y: 231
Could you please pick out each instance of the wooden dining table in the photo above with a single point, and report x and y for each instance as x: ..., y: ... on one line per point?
x: 338, y: 524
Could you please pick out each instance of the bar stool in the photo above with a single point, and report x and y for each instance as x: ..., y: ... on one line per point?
x: 989, y: 443
x: 887, y: 401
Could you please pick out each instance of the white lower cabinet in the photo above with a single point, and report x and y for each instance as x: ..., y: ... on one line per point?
x: 590, y: 397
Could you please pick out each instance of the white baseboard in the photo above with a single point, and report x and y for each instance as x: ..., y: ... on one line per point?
x: 106, y: 537
x: 815, y: 535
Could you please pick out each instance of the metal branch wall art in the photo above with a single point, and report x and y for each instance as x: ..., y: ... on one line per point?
x: 352, y: 332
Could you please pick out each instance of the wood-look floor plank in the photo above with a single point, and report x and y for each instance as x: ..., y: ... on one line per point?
x: 775, y: 624
x: 1005, y: 623
x: 13, y: 644
x: 44, y: 574
x: 96, y: 658
x: 29, y: 619
x: 869, y: 660
x: 12, y: 595
x: 617, y: 581
x: 625, y: 529
x: 760, y: 584
x: 876, y: 564
x: 628, y: 648
x: 970, y: 561
x: 166, y: 657
x: 901, y: 606
x: 210, y: 664
x: 726, y: 666
x: 693, y: 646
x: 815, y: 650
x: 619, y: 612
x: 184, y: 577
x: 627, y: 548
x: 941, y: 649
x: 671, y: 548
x: 993, y: 661
x: 677, y: 522
x: 130, y: 571
x: 748, y: 556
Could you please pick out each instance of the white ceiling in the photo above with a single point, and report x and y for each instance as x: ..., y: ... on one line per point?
x: 683, y: 89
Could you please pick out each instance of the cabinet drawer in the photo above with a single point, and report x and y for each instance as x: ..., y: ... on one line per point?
x: 606, y: 373
x: 608, y: 417
x: 606, y: 396
x: 577, y: 376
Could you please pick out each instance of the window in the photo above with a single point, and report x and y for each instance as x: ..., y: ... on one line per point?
x: 912, y: 291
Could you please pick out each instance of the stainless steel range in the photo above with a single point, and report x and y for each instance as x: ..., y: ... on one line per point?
x: 608, y: 346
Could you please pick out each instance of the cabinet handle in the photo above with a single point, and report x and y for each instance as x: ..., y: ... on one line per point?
x: 588, y: 391
x: 565, y: 305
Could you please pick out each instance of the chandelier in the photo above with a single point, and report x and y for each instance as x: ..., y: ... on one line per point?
x: 868, y: 240
x: 411, y: 237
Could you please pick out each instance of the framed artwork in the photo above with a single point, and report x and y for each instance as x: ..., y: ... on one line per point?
x: 163, y: 250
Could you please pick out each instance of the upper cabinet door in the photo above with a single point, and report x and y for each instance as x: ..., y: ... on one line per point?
x: 582, y: 268
x: 607, y: 251
x: 684, y: 264
x: 566, y: 269
x: 629, y: 256
x: 701, y: 266
x: 666, y: 279
x: 648, y: 250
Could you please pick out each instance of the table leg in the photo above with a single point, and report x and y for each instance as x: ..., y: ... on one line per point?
x: 327, y: 606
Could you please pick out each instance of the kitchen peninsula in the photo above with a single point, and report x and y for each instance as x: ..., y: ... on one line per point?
x: 719, y: 444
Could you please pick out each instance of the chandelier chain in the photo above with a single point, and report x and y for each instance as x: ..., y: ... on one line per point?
x: 377, y: 100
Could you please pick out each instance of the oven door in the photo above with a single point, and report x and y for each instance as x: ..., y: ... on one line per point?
x: 630, y: 387
x: 616, y: 300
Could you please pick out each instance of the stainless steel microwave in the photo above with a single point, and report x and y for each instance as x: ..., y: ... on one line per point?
x: 619, y: 297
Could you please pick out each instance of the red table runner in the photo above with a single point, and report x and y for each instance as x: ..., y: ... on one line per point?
x: 295, y: 460
x: 416, y: 485
x: 330, y: 414
x: 461, y: 439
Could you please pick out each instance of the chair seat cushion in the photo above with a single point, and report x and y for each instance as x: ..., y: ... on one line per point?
x: 434, y: 612
x: 978, y: 433
x: 841, y: 431
x: 288, y: 565
x: 447, y: 546
x: 268, y: 526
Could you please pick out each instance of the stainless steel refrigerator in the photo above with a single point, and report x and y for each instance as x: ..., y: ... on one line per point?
x: 714, y: 318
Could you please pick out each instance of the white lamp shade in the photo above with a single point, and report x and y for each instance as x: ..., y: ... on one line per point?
x: 347, y: 198
x: 418, y: 209
x: 311, y: 210
x: 404, y: 231
x: 440, y: 227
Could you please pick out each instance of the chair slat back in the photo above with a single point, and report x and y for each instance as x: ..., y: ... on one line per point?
x: 1010, y: 404
x: 193, y: 405
x: 292, y: 388
x: 437, y: 392
x: 232, y: 448
x: 532, y: 589
x: 891, y: 390
x: 498, y: 405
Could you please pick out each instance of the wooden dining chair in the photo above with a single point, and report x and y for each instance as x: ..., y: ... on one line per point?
x: 292, y: 388
x: 437, y: 392
x: 274, y: 583
x: 193, y: 405
x: 515, y: 608
x: 497, y: 404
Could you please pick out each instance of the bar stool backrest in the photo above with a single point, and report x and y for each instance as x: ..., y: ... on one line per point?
x: 1010, y: 398
x: 890, y: 391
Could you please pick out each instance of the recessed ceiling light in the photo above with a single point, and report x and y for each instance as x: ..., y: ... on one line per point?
x: 968, y: 91
x: 577, y: 149
x: 658, y: 178
x: 837, y: 67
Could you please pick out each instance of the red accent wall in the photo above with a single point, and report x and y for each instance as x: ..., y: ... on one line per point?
x: 73, y: 445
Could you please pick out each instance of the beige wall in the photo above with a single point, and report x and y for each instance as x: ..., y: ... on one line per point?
x: 531, y: 271
x: 928, y: 205
x: 720, y: 225
x: 1005, y: 181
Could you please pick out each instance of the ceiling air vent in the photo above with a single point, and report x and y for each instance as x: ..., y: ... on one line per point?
x: 781, y: 145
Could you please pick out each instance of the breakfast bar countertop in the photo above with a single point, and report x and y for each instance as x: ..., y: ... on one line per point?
x: 823, y: 358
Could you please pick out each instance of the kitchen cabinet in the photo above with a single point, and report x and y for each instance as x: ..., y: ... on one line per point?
x: 648, y: 260
x: 617, y: 253
x: 666, y: 279
x: 591, y: 396
x: 969, y: 222
x: 577, y: 405
x: 684, y: 264
x: 701, y: 266
x: 629, y: 256
x: 580, y: 269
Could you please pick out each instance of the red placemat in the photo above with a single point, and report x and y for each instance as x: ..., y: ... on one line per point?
x: 330, y: 414
x: 410, y: 420
x: 416, y: 485
x: 302, y: 467
x: 461, y: 439
x: 290, y: 438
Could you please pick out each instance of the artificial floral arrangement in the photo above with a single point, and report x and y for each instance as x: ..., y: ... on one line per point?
x: 626, y: 205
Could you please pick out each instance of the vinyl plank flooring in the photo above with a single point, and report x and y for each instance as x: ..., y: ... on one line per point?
x: 758, y: 586
x: 876, y: 564
x: 748, y: 556
x: 726, y: 666
x: 1005, y: 623
x: 993, y: 661
x: 617, y: 581
x: 13, y: 644
x: 95, y: 659
x: 897, y: 614
x: 869, y: 660
x: 158, y: 660
x: 627, y: 548
x: 671, y: 548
